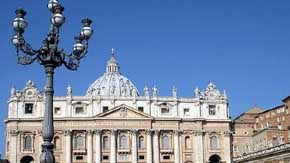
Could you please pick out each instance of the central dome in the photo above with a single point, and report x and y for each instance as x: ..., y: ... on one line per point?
x: 112, y: 83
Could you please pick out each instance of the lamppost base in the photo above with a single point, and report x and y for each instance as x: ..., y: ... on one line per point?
x: 47, y: 153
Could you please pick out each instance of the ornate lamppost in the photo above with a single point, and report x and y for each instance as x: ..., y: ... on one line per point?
x: 51, y: 57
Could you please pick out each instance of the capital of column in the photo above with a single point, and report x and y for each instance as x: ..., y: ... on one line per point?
x: 199, y: 132
x: 156, y: 132
x: 14, y: 132
x: 113, y: 131
x: 134, y: 131
x: 177, y: 132
x: 67, y: 133
x: 90, y: 132
x: 148, y: 132
x: 227, y: 133
x: 98, y: 131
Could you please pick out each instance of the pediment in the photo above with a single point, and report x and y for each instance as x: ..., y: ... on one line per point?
x: 168, y: 104
x: 124, y: 112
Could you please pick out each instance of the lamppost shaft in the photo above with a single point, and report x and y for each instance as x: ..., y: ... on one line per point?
x: 50, y: 57
x: 47, y: 127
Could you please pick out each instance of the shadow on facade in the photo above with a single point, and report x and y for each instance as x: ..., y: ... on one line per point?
x: 215, y: 159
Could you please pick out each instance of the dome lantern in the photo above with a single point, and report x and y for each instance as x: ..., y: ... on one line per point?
x: 112, y: 83
x: 112, y: 65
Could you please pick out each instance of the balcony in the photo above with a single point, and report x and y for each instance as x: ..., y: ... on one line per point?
x: 124, y: 150
x: 166, y: 150
x: 80, y: 151
x: 27, y: 150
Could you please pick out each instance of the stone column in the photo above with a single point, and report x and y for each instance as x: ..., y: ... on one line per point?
x: 176, y: 147
x: 149, y: 146
x: 68, y: 146
x: 13, y: 145
x: 113, y: 147
x: 90, y: 146
x: 180, y: 147
x: 227, y: 146
x: 98, y: 146
x: 134, y: 146
x: 156, y: 147
x: 198, y: 146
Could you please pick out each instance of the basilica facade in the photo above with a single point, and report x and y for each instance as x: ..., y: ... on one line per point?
x: 115, y: 123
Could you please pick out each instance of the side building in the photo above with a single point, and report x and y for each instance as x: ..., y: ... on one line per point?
x: 114, y: 123
x: 263, y: 136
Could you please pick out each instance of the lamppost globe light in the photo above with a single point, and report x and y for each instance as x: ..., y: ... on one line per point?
x: 78, y: 48
x: 18, y: 40
x: 87, y: 32
x: 52, y: 4
x: 57, y: 19
x: 19, y: 24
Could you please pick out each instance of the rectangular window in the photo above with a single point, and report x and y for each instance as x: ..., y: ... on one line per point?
x: 141, y: 157
x: 185, y: 111
x: 79, y: 110
x: 273, y: 113
x: 211, y: 109
x: 166, y: 157
x: 165, y: 110
x: 105, y: 157
x: 141, y: 108
x: 79, y: 157
x: 105, y: 109
x: 235, y: 148
x: 57, y: 110
x: 28, y: 108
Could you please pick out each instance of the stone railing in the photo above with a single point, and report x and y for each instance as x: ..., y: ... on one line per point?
x: 263, y: 153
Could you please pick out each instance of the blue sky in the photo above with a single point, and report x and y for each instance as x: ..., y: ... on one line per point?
x: 242, y: 46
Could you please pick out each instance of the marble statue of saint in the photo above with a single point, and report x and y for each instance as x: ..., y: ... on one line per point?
x: 13, y: 91
x: 69, y: 90
x: 146, y: 91
x: 155, y: 91
x: 196, y: 92
x: 174, y: 92
x: 134, y: 92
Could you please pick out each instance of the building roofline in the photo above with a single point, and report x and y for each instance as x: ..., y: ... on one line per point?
x: 276, y: 107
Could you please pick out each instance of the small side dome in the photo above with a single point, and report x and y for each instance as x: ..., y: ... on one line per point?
x: 112, y: 83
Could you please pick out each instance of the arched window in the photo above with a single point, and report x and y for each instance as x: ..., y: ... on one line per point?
x: 79, y: 142
x: 57, y: 143
x: 141, y: 142
x: 27, y: 143
x: 105, y: 143
x: 123, y: 142
x: 165, y: 142
x: 187, y: 142
x: 7, y: 146
x: 213, y: 142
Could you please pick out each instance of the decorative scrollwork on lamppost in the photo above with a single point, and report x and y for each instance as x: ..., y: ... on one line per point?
x: 51, y: 57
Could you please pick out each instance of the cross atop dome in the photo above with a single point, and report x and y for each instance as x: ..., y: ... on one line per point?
x: 113, y: 51
x: 112, y: 64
